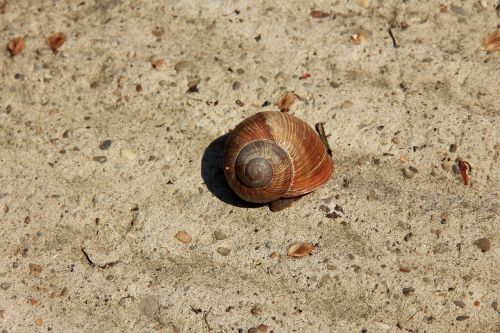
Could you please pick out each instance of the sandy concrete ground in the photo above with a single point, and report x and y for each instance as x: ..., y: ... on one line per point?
x: 88, y: 225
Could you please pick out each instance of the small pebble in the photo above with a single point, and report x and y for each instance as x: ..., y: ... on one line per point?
x: 236, y: 85
x: 458, y: 10
x: 100, y: 159
x: 240, y: 103
x: 494, y: 305
x: 150, y: 306
x: 453, y: 148
x: 459, y: 303
x: 223, y: 251
x: 253, y: 330
x: 35, y: 269
x: 372, y: 196
x: 219, y: 235
x: 325, y: 208
x: 240, y: 71
x: 263, y: 328
x: 408, y: 291
x: 128, y: 154
x: 409, y: 172
x: 281, y: 77
x: 408, y: 236
x: 105, y: 145
x: 184, y: 66
x: 183, y: 236
x: 38, y: 322
x: 484, y: 244
x: 157, y: 63
x: 256, y: 310
x: 462, y: 318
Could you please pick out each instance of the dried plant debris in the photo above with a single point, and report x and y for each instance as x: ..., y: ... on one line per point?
x: 492, y: 42
x: 300, y: 250
x: 464, y: 168
x: 319, y: 14
x: 56, y: 40
x: 16, y: 46
x: 285, y: 101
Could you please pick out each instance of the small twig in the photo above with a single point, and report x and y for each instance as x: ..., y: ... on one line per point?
x: 91, y: 263
x: 321, y: 131
x: 394, y: 41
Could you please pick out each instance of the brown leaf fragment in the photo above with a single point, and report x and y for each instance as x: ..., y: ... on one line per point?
x: 183, y: 236
x: 285, y: 101
x: 16, y: 46
x: 492, y: 42
x: 56, y: 40
x: 35, y: 269
x: 300, y: 250
x: 319, y: 14
x: 464, y: 167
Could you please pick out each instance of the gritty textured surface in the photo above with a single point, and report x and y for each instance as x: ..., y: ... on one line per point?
x: 88, y: 226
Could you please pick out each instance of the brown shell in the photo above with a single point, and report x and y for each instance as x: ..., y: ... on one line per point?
x: 306, y: 167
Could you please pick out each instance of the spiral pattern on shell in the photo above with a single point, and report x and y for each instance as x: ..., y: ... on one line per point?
x: 272, y: 155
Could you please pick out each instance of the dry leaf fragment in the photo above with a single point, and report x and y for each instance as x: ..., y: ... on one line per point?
x: 183, y: 237
x: 16, y: 46
x: 319, y: 14
x: 492, y: 42
x: 56, y: 40
x: 299, y: 250
x: 464, y: 167
x: 285, y: 101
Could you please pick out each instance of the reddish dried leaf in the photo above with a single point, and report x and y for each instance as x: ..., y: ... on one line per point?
x: 285, y: 101
x: 464, y: 171
x: 492, y: 42
x: 56, y: 40
x: 319, y: 14
x: 16, y: 46
x: 300, y: 250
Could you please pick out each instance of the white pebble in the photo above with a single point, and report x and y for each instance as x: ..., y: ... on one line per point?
x: 128, y: 154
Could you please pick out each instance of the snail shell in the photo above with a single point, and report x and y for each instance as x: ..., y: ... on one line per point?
x: 273, y: 155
